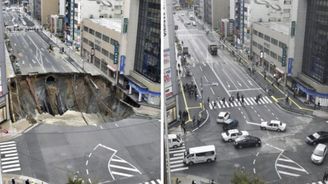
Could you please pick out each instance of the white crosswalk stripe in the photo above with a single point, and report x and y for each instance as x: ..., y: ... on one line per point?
x: 318, y: 182
x: 287, y: 167
x: 158, y: 181
x: 9, y: 157
x: 121, y: 168
x: 176, y: 159
x: 248, y: 101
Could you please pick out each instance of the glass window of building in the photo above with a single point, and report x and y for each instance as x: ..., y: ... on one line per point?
x: 148, y: 40
x: 255, y: 32
x: 114, y: 42
x: 267, y: 38
x: 91, y: 43
x: 266, y: 51
x: 260, y: 46
x: 97, y: 62
x: 98, y: 35
x: 260, y: 35
x: 105, y: 52
x: 111, y: 56
x: 91, y: 31
x: 315, y: 57
x: 105, y: 38
x: 281, y: 44
x: 273, y: 55
x: 85, y: 28
x: 85, y: 40
x: 274, y: 41
x: 97, y: 47
x: 254, y: 44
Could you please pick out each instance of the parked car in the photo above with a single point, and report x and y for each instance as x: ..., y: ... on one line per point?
x: 317, y: 137
x: 247, y: 141
x: 273, y: 125
x: 230, y: 124
x: 319, y: 154
x: 232, y: 134
x: 222, y: 117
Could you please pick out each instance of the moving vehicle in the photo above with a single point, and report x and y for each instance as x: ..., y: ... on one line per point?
x: 199, y: 155
x: 230, y: 124
x: 185, y: 51
x: 273, y: 125
x: 317, y: 137
x: 213, y: 49
x: 247, y: 141
x: 194, y: 23
x: 174, y: 141
x: 232, y: 134
x: 319, y: 154
x: 222, y: 117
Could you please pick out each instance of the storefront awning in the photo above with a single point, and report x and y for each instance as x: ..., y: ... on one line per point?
x: 280, y: 70
x: 111, y: 68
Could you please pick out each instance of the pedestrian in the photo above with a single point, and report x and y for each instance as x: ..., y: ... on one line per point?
x: 232, y: 98
x: 208, y: 100
x: 193, y: 182
x: 223, y: 99
x: 180, y: 113
x: 27, y: 181
x: 177, y: 181
x: 325, y: 177
x: 195, y: 96
x: 13, y: 181
x: 314, y: 107
x: 184, y: 129
x: 212, y: 182
x: 318, y: 105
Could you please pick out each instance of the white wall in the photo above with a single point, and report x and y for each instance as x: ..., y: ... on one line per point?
x: 61, y: 7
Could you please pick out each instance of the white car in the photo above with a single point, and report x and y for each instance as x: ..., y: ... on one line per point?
x: 273, y: 125
x: 233, y: 134
x: 222, y: 117
x: 319, y: 154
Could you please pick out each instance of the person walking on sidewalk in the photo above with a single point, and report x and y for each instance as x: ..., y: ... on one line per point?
x: 13, y: 181
x: 319, y: 105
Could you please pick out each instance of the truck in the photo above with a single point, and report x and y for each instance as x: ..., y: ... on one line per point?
x: 213, y: 49
x: 185, y: 51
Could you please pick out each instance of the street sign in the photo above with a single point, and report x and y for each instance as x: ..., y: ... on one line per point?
x: 122, y: 64
x: 115, y: 54
x: 290, y: 66
x: 284, y: 56
x: 125, y: 25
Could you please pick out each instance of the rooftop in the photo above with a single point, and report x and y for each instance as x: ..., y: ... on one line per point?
x: 110, y: 23
x: 282, y: 27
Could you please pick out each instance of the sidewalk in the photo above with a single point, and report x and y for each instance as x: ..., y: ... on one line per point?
x: 278, y: 92
x: 7, y: 178
x: 14, y: 129
x: 189, y: 179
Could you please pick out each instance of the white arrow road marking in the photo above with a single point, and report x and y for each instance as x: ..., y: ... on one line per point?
x: 239, y: 84
x: 250, y: 82
x: 251, y: 123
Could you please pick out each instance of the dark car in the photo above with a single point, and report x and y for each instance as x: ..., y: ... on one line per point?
x: 247, y: 141
x: 230, y: 124
x: 317, y: 137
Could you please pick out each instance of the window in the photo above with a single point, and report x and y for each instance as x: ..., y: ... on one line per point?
x: 255, y: 32
x: 260, y: 35
x: 282, y: 45
x: 274, y: 41
x: 85, y: 28
x: 105, y: 38
x: 97, y: 47
x: 111, y: 56
x: 260, y: 46
x: 98, y: 35
x: 279, y: 58
x: 114, y: 42
x: 91, y: 31
x: 91, y: 43
x: 273, y: 55
x: 254, y: 44
x: 266, y: 51
x: 97, y: 62
x: 267, y: 38
x: 105, y: 52
x: 85, y: 40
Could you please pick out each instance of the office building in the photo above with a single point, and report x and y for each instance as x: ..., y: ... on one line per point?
x: 214, y: 11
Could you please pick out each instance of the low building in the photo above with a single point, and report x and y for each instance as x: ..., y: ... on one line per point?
x: 226, y: 28
x: 273, y: 41
x: 56, y: 25
x: 101, y: 44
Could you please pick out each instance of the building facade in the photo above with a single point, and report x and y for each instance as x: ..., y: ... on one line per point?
x: 313, y: 82
x: 101, y: 43
x: 214, y: 11
x: 56, y: 25
x: 48, y: 7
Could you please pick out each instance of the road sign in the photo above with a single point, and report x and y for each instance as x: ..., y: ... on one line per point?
x: 122, y: 64
x: 115, y: 54
x: 290, y: 66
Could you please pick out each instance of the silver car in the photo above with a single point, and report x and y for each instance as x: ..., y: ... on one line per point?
x: 319, y: 154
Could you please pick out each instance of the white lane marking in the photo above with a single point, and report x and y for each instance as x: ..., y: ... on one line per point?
x: 268, y: 99
x: 179, y: 169
x: 10, y: 166
x: 118, y: 160
x: 212, y: 91
x: 263, y: 102
x: 247, y: 89
x: 177, y: 165
x: 10, y: 155
x: 251, y: 123
x: 89, y: 180
x: 250, y: 82
x: 264, y: 99
x: 87, y: 171
x: 239, y: 84
x: 216, y: 75
x: 90, y: 154
x: 12, y: 151
x: 205, y: 76
x: 254, y: 161
x: 176, y: 162
x: 10, y: 158
x: 288, y: 173
x: 11, y: 170
x: 218, y: 103
x: 177, y: 151
x: 246, y: 102
x: 124, y: 168
x: 86, y: 163
x: 121, y: 174
x: 254, y: 170
x: 7, y: 145
x: 290, y: 167
x: 249, y: 101
x: 6, y: 149
x: 226, y: 103
x: 274, y: 147
x: 176, y: 158
x: 257, y: 154
x: 178, y: 154
x: 10, y: 162
x: 196, y: 85
x: 4, y: 143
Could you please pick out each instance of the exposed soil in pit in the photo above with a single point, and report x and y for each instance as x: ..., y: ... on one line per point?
x: 56, y: 98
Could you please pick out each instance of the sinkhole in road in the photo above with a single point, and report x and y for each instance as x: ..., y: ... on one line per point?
x: 58, y: 94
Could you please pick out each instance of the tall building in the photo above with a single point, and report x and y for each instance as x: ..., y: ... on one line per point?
x: 140, y: 50
x: 215, y: 11
x: 314, y: 78
x: 48, y: 7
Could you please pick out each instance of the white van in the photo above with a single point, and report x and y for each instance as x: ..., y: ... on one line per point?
x: 174, y: 141
x: 200, y: 154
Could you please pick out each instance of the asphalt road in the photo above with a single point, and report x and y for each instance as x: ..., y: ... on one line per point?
x: 283, y: 157
x: 33, y: 55
x: 120, y: 152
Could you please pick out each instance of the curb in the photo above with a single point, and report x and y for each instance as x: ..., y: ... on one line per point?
x: 208, y: 115
x: 22, y: 178
x: 297, y: 113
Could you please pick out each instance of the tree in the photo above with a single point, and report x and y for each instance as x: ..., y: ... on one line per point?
x: 242, y: 177
x: 74, y: 181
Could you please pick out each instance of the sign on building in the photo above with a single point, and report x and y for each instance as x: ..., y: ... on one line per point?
x: 115, y: 54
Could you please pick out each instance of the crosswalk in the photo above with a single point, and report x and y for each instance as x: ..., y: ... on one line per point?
x: 158, y: 181
x: 287, y: 167
x: 9, y: 157
x: 120, y: 168
x: 247, y: 101
x: 318, y: 182
x: 176, y: 159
